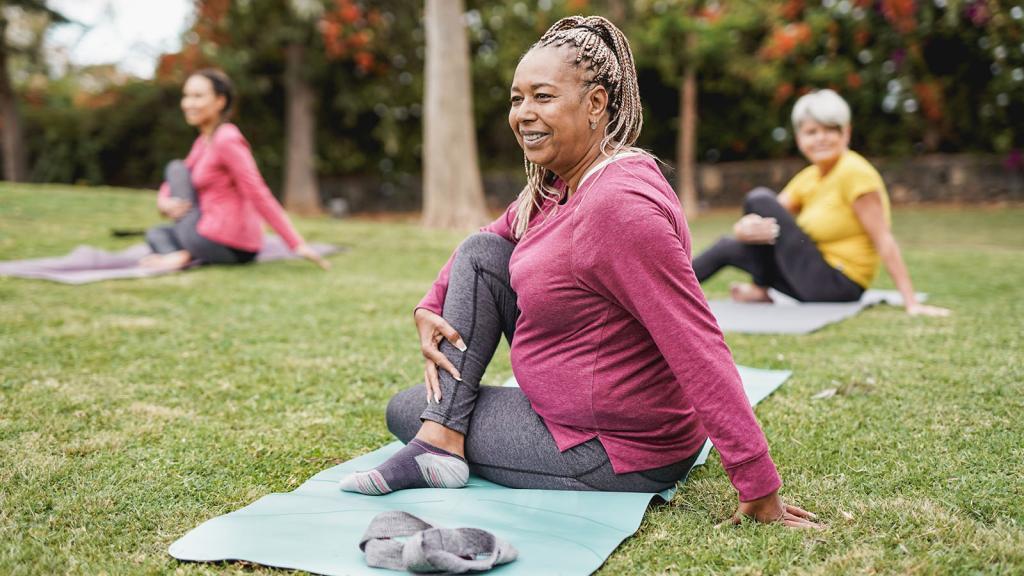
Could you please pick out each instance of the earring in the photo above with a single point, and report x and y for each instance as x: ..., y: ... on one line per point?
x: 593, y: 125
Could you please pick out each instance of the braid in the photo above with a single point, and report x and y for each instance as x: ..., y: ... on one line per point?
x: 604, y: 53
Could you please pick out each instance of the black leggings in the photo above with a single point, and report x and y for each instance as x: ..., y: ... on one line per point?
x: 182, y: 235
x: 506, y: 441
x: 793, y: 265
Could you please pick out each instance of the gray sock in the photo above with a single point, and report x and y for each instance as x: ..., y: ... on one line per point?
x: 400, y: 541
x: 417, y: 465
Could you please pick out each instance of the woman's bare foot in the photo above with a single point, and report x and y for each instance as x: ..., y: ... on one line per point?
x: 172, y: 261
x: 743, y: 292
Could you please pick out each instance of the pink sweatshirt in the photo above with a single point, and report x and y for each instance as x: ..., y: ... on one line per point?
x: 615, y: 339
x: 233, y: 198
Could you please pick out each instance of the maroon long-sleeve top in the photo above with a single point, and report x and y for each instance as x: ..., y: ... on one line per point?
x: 233, y: 198
x: 615, y: 339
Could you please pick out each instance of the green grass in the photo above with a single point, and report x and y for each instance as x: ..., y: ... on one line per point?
x: 132, y: 411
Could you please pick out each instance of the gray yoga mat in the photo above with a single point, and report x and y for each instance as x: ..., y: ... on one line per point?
x: 317, y: 527
x: 86, y: 264
x: 787, y: 316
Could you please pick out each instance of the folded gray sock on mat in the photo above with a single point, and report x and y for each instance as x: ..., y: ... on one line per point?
x: 427, y: 548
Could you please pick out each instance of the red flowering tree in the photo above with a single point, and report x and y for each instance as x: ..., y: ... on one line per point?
x: 683, y: 39
x: 299, y: 46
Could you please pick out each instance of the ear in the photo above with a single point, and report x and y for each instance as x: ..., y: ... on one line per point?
x: 222, y: 103
x: 847, y: 131
x: 596, y: 101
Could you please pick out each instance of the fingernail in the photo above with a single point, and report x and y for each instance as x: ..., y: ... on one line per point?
x: 460, y: 345
x: 437, y: 398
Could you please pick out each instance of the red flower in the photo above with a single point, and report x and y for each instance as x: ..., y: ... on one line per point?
x: 900, y: 13
x: 364, y: 61
x: 929, y: 95
x: 782, y: 93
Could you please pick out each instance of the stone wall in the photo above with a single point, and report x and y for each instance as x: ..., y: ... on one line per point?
x: 930, y: 178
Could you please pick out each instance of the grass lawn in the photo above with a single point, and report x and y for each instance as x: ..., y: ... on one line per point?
x: 132, y: 411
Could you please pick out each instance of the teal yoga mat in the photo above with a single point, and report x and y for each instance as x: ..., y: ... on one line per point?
x: 317, y: 527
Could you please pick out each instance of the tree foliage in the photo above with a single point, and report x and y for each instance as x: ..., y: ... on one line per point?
x: 920, y: 75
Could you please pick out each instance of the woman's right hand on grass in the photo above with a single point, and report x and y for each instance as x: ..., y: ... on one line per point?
x: 771, y: 509
x: 171, y: 207
x: 432, y: 329
x: 312, y: 255
x: 753, y: 229
x: 918, y: 309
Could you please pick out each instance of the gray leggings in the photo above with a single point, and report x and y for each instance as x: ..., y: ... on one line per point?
x: 793, y: 265
x: 182, y: 235
x: 506, y: 441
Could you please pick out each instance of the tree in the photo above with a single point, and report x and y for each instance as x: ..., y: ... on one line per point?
x: 452, y: 188
x: 686, y: 145
x: 13, y: 145
x: 301, y: 191
x: 685, y: 39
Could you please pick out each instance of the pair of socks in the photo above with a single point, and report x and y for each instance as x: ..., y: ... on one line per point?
x: 398, y: 540
x: 417, y: 465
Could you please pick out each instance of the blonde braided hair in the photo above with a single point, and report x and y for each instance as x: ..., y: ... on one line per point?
x: 604, y: 53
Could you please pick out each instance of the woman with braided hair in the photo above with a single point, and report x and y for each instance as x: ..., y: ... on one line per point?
x: 622, y: 369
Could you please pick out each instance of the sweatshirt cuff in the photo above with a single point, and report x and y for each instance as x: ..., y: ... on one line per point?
x: 428, y: 304
x: 755, y: 478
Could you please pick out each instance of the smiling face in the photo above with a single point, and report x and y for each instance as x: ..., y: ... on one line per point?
x: 821, y: 144
x: 551, y: 111
x: 200, y: 103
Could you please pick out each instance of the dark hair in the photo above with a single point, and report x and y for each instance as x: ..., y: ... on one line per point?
x: 222, y: 86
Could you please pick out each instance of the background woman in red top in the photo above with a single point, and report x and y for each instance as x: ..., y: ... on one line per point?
x: 216, y: 196
x: 622, y: 369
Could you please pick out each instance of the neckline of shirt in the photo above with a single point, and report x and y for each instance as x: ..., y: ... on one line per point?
x: 603, y: 164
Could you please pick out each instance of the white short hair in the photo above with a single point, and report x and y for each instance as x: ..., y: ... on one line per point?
x: 825, y: 107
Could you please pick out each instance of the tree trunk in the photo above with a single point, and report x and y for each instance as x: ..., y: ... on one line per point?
x: 15, y: 164
x: 686, y: 149
x: 453, y: 194
x: 301, y: 191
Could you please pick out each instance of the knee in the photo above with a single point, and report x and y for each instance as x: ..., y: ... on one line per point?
x: 175, y: 168
x: 760, y: 200
x: 403, y: 413
x: 484, y: 246
x: 156, y: 235
x: 484, y: 243
x: 729, y: 245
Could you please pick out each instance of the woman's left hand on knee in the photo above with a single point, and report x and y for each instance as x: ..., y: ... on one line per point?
x: 433, y: 329
x: 753, y: 229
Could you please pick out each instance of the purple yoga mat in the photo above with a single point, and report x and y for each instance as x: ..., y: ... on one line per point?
x: 87, y: 264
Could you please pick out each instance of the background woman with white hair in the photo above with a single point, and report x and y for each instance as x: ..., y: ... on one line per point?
x: 821, y: 238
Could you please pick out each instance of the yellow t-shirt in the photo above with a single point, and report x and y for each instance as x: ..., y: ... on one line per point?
x: 827, y: 216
